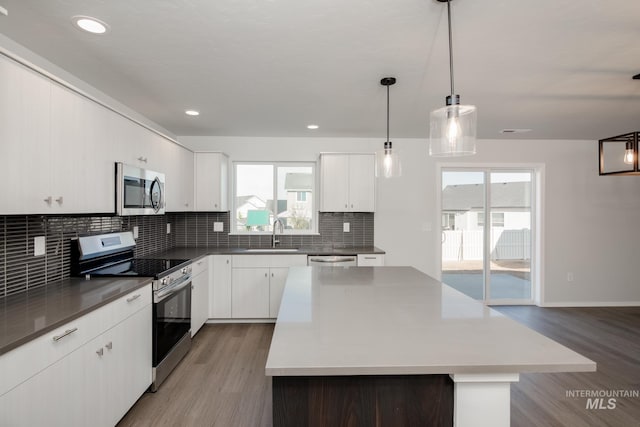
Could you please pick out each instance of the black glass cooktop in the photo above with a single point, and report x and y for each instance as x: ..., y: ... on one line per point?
x: 141, y: 267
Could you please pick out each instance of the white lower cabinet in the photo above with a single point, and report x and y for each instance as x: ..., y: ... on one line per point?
x: 276, y: 287
x: 250, y: 293
x: 199, y: 294
x: 96, y: 382
x: 54, y: 397
x: 258, y: 282
x: 117, y: 369
x: 220, y: 287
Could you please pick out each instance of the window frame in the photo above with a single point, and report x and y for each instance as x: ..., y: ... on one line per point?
x: 275, y: 164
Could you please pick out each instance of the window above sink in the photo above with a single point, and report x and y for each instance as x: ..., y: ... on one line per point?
x: 267, y: 191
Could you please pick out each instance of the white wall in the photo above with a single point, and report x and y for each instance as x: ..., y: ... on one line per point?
x: 590, y: 222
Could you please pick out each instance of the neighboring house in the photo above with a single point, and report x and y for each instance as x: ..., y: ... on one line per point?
x: 299, y: 187
x: 245, y: 204
x: 463, y: 221
x: 463, y: 206
x: 295, y: 212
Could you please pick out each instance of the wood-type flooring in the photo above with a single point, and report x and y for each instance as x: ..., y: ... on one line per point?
x: 221, y: 382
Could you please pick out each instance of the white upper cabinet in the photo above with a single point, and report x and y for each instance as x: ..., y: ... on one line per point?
x: 211, y: 175
x: 178, y: 178
x: 82, y: 175
x: 59, y: 150
x: 25, y: 144
x: 347, y: 182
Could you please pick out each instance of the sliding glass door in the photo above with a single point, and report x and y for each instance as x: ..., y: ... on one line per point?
x: 487, y: 217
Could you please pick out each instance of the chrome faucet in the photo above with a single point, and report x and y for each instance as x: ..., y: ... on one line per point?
x: 275, y: 241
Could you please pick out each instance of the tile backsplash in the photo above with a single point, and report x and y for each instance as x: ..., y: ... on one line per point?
x: 20, y: 270
x: 196, y: 230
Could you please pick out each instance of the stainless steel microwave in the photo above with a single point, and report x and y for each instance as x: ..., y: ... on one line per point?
x: 139, y: 191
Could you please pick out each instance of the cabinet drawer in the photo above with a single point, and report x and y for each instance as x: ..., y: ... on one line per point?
x: 128, y: 305
x: 251, y: 261
x: 370, y: 260
x: 23, y: 362
x: 288, y: 260
x: 199, y: 266
x: 266, y: 261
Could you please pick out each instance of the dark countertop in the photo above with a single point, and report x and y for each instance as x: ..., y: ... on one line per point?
x: 198, y: 252
x: 33, y: 313
x: 28, y: 315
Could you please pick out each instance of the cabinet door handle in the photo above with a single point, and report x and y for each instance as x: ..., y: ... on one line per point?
x: 142, y: 159
x: 265, y: 275
x: 227, y: 261
x: 100, y: 352
x: 48, y: 200
x: 133, y: 298
x: 271, y: 274
x: 60, y: 200
x: 346, y: 206
x: 351, y: 205
x: 67, y: 332
x: 109, y: 345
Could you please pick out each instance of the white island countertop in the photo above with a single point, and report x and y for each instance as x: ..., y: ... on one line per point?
x: 399, y: 321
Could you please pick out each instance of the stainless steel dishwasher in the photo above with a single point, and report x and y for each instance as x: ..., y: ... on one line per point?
x: 333, y: 260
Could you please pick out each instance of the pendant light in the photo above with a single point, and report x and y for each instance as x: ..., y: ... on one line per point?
x: 388, y: 159
x: 618, y: 155
x: 453, y: 127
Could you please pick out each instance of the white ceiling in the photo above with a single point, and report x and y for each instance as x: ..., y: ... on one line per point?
x: 270, y: 67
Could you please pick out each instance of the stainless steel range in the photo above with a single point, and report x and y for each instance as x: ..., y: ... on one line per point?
x: 112, y: 255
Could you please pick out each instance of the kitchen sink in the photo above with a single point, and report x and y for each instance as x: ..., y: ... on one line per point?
x: 267, y: 250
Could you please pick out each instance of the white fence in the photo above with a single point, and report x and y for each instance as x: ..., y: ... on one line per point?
x: 460, y: 245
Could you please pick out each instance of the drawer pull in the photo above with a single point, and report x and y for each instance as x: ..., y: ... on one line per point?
x: 100, y: 352
x: 109, y: 345
x: 369, y: 257
x: 67, y: 332
x: 133, y: 298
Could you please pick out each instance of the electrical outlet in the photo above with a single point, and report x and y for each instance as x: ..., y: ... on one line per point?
x: 39, y: 245
x: 168, y: 228
x: 218, y: 226
x: 346, y: 227
x: 135, y: 231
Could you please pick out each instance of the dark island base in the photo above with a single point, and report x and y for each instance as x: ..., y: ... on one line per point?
x: 354, y: 401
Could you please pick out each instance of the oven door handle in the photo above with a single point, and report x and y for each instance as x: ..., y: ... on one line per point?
x: 175, y: 288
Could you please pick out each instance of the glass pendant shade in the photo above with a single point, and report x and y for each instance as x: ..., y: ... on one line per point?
x: 388, y: 162
x: 453, y: 131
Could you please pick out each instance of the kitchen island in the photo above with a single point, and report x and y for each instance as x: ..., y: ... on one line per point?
x: 393, y: 346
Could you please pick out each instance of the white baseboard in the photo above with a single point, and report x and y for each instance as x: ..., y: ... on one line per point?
x: 592, y: 304
x: 213, y: 321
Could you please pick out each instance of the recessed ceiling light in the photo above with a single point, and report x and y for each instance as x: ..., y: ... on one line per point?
x: 313, y: 127
x: 192, y: 113
x: 515, y: 130
x: 89, y: 24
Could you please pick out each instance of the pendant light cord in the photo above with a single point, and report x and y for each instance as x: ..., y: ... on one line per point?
x: 387, y: 113
x: 450, y: 48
